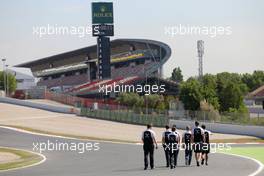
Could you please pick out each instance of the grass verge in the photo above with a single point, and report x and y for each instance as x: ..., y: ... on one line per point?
x: 252, y: 152
x: 26, y: 159
x: 238, y: 140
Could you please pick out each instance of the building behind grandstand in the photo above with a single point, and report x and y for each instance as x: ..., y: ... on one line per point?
x: 255, y: 102
x: 24, y: 81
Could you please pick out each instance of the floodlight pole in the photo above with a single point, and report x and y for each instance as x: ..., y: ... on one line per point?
x: 200, y: 48
x: 7, y: 87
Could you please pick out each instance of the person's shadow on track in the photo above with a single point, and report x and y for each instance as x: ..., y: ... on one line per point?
x: 142, y: 169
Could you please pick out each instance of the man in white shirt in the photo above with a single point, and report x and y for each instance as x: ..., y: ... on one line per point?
x: 198, y: 138
x: 165, y: 144
x: 187, y: 140
x: 206, y: 145
x: 149, y: 139
x: 174, y: 141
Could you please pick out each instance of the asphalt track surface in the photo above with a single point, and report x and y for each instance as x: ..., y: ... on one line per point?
x: 114, y: 159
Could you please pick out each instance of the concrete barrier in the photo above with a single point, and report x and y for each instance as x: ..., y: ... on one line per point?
x: 257, y: 131
x: 59, y: 109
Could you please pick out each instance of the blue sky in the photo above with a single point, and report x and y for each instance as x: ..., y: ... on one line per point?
x: 242, y: 51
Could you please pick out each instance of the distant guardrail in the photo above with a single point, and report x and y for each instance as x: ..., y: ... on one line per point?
x: 160, y: 120
x: 53, y: 108
x: 249, y: 130
x: 125, y: 117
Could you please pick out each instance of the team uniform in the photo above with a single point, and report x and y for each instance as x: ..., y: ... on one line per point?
x: 198, y: 133
x: 148, y: 137
x: 165, y: 136
x: 174, y: 140
x: 188, y: 147
x: 206, y: 142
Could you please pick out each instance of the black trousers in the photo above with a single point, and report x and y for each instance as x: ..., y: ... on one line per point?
x: 167, y: 153
x: 148, y: 152
x: 188, y: 155
x: 174, y: 157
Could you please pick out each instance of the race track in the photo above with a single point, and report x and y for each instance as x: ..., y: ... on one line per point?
x: 115, y: 160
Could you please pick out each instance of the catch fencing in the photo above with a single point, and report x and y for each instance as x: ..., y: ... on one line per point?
x: 111, y: 110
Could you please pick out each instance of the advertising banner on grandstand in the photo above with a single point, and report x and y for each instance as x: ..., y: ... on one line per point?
x: 103, y: 30
x: 102, y: 12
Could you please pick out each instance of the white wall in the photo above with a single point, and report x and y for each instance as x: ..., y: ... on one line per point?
x: 67, y: 110
x: 257, y: 131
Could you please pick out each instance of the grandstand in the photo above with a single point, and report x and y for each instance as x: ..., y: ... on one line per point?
x: 131, y: 60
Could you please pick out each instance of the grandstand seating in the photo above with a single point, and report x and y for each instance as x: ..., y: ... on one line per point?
x: 131, y: 70
x: 65, y: 81
x: 82, y: 79
x: 94, y: 86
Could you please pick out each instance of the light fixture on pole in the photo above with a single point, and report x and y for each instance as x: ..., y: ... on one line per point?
x: 4, y: 60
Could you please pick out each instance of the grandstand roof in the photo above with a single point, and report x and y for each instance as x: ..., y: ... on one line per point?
x: 93, y: 49
x: 258, y: 93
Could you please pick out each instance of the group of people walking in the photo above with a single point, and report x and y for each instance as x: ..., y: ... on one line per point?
x: 196, y: 139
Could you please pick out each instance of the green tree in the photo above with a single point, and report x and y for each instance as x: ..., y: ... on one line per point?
x: 152, y: 100
x: 137, y: 102
x: 230, y: 97
x: 209, y: 86
x: 167, y: 100
x: 176, y: 75
x: 230, y: 90
x: 191, y: 94
x: 161, y: 104
x: 129, y: 99
x: 12, y: 84
x: 253, y: 81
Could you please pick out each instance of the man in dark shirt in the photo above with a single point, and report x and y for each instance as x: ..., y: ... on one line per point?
x: 187, y: 140
x: 165, y: 144
x: 149, y: 139
x: 206, y: 145
x: 174, y: 142
x: 198, y: 138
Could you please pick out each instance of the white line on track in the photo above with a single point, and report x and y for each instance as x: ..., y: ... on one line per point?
x: 260, y: 165
x: 247, y: 143
x: 63, y: 137
x: 30, y: 118
x: 22, y: 167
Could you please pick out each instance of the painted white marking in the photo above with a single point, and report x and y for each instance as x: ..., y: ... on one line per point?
x: 31, y: 118
x: 260, y: 165
x: 247, y: 143
x: 63, y: 137
x: 22, y: 167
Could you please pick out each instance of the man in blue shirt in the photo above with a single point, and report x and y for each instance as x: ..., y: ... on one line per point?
x: 165, y: 144
x: 187, y: 140
x: 198, y: 138
x: 174, y: 142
